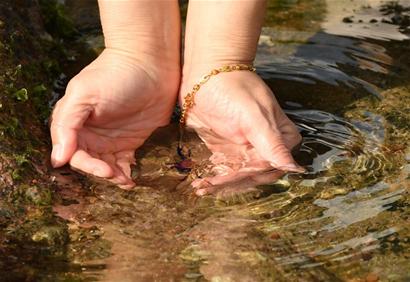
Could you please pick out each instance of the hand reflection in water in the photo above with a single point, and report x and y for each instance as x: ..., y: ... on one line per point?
x: 235, y: 183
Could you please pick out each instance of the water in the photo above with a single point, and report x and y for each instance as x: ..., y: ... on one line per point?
x: 342, y: 74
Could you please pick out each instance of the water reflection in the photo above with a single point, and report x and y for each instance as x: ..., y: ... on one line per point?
x: 320, y: 58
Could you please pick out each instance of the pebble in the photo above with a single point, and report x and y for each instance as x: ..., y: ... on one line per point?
x: 266, y: 40
x: 407, y: 155
x: 275, y: 236
x: 392, y: 238
x: 332, y: 192
x: 372, y: 277
x: 406, y: 168
x: 367, y: 256
x: 193, y: 275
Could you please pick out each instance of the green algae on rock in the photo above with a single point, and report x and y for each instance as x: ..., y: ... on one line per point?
x: 31, y: 235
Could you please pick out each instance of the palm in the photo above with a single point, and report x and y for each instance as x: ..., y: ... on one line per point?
x: 240, y: 121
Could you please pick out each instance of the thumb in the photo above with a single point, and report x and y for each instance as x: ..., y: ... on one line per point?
x: 67, y: 119
x: 270, y: 144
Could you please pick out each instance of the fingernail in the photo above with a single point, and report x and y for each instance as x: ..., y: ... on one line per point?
x: 200, y: 192
x: 98, y: 172
x: 56, y: 155
x: 290, y: 167
x: 127, y: 186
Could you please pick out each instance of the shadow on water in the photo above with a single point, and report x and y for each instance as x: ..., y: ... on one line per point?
x: 342, y: 75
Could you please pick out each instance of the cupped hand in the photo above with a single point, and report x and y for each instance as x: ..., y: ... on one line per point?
x: 110, y: 108
x: 240, y: 121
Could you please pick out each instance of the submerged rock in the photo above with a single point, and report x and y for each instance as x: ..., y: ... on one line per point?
x: 332, y: 192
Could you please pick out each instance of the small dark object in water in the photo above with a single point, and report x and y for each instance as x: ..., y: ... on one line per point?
x: 367, y: 256
x: 373, y: 21
x: 183, y: 152
x: 184, y: 165
x: 348, y: 19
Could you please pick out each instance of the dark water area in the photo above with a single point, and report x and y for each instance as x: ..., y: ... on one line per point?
x: 341, y: 71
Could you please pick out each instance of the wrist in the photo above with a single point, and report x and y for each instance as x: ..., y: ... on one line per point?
x: 150, y: 55
x: 193, y: 72
x: 200, y: 67
x: 222, y: 34
x: 147, y: 31
x: 164, y: 76
x: 200, y: 74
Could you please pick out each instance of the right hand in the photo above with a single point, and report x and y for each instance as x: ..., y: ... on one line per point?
x: 110, y: 108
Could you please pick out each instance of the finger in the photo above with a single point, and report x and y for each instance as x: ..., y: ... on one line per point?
x: 247, y: 183
x: 64, y: 142
x: 266, y: 177
x: 226, y: 174
x: 211, y: 185
x: 232, y: 176
x: 269, y: 143
x: 119, y: 178
x: 83, y: 161
x: 68, y: 117
x: 124, y: 161
x: 290, y: 133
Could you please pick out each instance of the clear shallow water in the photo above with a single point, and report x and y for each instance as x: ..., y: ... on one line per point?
x: 345, y: 83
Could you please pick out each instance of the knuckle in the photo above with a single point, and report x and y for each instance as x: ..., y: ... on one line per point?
x: 297, y: 137
x: 75, y: 86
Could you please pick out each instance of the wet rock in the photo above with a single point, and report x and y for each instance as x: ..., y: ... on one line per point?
x: 40, y: 196
x: 51, y: 236
x: 6, y: 212
x: 398, y: 14
x: 193, y: 253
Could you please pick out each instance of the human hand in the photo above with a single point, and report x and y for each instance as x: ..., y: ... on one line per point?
x: 110, y: 108
x: 240, y: 121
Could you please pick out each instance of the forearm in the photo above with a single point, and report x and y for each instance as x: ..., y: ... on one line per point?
x: 144, y: 29
x: 222, y: 32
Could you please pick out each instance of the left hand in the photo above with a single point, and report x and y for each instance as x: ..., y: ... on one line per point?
x: 240, y: 121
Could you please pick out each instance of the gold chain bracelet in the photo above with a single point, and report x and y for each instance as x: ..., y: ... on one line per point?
x: 189, y: 98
